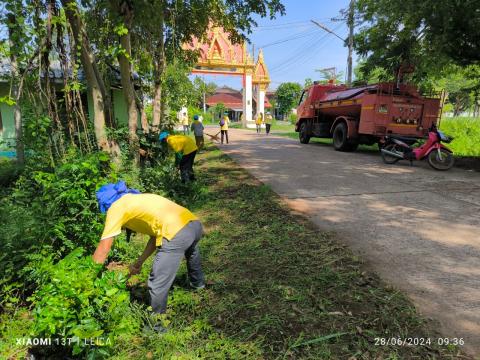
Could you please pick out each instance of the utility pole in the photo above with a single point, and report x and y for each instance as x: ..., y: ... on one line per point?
x: 350, y: 41
x: 204, y: 86
x: 350, y: 22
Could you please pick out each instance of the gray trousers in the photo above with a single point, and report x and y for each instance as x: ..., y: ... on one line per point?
x: 167, y: 261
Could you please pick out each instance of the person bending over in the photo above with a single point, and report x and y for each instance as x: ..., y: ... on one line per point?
x: 185, y: 151
x: 174, y: 233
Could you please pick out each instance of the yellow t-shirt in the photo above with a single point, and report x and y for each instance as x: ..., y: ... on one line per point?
x: 148, y: 214
x: 268, y: 119
x: 182, y: 143
x: 227, y: 121
x: 259, y: 120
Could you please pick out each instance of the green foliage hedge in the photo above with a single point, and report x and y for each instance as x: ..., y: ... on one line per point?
x: 50, y: 227
x: 77, y: 300
x: 466, y: 133
x: 9, y: 172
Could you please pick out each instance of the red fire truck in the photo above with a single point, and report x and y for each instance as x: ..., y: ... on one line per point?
x: 365, y: 114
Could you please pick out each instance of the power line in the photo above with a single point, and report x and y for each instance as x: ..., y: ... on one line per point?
x: 306, y: 21
x: 299, y: 52
x: 285, y: 27
x: 306, y: 33
x: 304, y: 58
x: 304, y: 51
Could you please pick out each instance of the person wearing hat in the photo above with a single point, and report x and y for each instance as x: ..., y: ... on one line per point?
x: 185, y: 150
x: 174, y: 233
x: 268, y: 122
x: 224, y: 126
x: 197, y: 128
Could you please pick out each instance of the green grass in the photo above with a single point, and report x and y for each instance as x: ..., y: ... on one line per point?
x: 466, y: 133
x: 281, y: 288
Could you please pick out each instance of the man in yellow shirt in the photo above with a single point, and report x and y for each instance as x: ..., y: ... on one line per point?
x: 184, y: 121
x: 268, y: 122
x: 185, y: 150
x: 174, y: 232
x: 224, y: 126
x: 258, y: 122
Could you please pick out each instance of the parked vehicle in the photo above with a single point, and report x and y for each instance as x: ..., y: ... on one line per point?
x: 365, y: 114
x: 438, y: 155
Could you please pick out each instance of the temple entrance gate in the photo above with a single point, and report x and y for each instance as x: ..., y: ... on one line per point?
x: 219, y: 56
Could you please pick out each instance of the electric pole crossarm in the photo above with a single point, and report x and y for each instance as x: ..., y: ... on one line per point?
x: 323, y: 27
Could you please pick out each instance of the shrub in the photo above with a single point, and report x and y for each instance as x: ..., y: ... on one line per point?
x: 77, y: 300
x: 466, y: 133
x: 51, y: 210
x: 64, y: 200
x: 9, y: 172
x: 292, y: 118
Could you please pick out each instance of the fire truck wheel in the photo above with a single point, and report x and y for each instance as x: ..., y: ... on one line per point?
x: 340, y: 141
x: 303, y: 133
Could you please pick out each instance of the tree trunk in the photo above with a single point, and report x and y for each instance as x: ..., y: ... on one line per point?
x: 159, y: 60
x: 128, y: 91
x: 126, y: 12
x: 94, y: 80
x: 144, y: 120
x: 16, y: 93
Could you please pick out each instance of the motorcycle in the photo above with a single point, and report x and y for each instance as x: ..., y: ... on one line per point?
x: 438, y: 155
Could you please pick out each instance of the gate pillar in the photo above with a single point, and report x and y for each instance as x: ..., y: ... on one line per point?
x: 247, y: 100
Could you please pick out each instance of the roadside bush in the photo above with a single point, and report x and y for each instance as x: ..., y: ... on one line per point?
x: 76, y: 299
x: 49, y: 210
x: 64, y: 200
x: 292, y: 118
x: 9, y: 172
x: 466, y: 133
x: 164, y: 180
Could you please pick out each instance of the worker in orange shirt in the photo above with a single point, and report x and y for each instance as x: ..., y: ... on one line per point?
x: 185, y: 150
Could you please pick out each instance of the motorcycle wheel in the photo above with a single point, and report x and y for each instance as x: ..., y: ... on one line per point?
x: 441, y: 159
x: 387, y: 159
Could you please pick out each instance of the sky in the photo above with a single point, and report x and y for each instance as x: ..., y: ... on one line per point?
x: 294, y: 47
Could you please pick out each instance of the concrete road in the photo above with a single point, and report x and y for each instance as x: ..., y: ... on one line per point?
x: 418, y: 228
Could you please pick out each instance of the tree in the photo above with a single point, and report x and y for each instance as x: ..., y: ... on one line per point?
x: 288, y: 95
x: 15, y: 39
x: 95, y: 81
x: 124, y: 10
x: 202, y: 90
x: 372, y: 76
x: 428, y: 34
x: 171, y: 23
x: 218, y: 110
x: 327, y: 75
x: 461, y: 86
x: 308, y: 82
